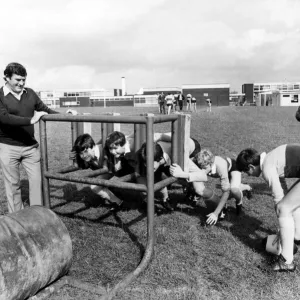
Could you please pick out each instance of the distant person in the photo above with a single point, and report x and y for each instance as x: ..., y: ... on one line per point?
x: 188, y: 102
x: 175, y: 102
x: 169, y: 101
x: 20, y: 108
x: 161, y: 103
x: 208, y: 102
x: 280, y: 163
x: 194, y: 104
x: 180, y: 101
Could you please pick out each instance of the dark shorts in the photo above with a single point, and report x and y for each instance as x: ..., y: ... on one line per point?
x: 197, y: 148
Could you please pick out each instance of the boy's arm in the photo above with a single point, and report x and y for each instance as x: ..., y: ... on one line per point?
x: 271, y: 177
x: 193, y: 174
x: 222, y: 203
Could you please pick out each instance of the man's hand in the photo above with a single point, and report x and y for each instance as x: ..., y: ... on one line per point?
x: 176, y: 171
x: 72, y: 112
x: 37, y: 115
x: 212, y: 219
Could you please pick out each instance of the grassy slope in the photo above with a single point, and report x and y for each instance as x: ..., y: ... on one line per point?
x: 191, y: 261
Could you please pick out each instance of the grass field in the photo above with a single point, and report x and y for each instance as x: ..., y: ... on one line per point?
x: 191, y: 261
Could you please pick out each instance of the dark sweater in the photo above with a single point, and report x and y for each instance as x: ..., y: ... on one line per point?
x: 15, y: 116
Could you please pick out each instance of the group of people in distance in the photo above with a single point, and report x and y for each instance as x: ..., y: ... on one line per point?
x: 283, y: 162
x: 171, y: 102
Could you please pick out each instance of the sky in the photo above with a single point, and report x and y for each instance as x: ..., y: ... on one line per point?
x: 91, y: 44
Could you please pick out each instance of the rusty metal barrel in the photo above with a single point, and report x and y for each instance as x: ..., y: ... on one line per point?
x: 35, y: 250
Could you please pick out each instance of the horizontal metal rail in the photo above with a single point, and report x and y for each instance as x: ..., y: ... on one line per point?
x: 161, y: 184
x: 94, y: 118
x: 96, y: 181
x: 108, y: 118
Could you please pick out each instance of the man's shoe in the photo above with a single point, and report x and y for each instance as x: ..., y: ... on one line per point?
x: 166, y: 204
x: 281, y: 266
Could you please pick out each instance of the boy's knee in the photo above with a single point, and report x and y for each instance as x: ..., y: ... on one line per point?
x: 235, y: 191
x: 282, y: 210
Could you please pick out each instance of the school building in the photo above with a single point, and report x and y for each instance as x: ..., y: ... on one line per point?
x: 92, y: 98
x: 217, y: 93
x: 272, y: 93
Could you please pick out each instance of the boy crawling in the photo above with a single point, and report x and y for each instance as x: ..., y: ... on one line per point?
x: 118, y: 157
x: 162, y: 166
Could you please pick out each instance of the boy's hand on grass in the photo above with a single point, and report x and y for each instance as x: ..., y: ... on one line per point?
x: 212, y: 219
x: 176, y: 171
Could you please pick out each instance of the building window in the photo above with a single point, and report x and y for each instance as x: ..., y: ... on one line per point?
x: 285, y: 96
x: 296, y: 87
x: 295, y: 99
x: 205, y: 94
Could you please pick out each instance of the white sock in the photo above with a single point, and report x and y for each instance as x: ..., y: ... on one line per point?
x: 287, y: 231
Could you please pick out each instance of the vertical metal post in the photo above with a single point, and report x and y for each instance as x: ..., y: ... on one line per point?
x: 137, y: 142
x: 44, y: 163
x: 150, y: 179
x: 150, y: 220
x: 174, y: 142
x: 74, y: 134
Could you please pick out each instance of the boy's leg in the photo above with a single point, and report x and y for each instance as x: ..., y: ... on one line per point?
x: 10, y: 157
x: 285, y: 209
x: 208, y: 195
x: 104, y: 192
x: 31, y: 161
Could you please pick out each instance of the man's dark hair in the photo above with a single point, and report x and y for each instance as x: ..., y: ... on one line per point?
x: 247, y: 157
x: 15, y: 68
x: 158, y: 153
x: 116, y: 138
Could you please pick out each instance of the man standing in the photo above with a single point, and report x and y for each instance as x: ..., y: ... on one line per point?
x: 180, y: 100
x: 161, y: 103
x: 20, y: 108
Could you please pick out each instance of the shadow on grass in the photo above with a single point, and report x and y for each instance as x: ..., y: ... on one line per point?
x: 246, y: 228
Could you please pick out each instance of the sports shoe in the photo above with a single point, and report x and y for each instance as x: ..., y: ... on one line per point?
x: 281, y: 266
x: 195, y: 201
x: 265, y: 240
x: 222, y: 214
x: 238, y: 209
x: 166, y: 204
x: 297, y: 242
x: 248, y: 194
x: 115, y: 207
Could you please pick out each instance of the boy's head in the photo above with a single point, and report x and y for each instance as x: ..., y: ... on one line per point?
x: 158, y: 155
x: 115, y: 143
x: 84, y: 147
x: 248, y: 161
x: 204, y: 160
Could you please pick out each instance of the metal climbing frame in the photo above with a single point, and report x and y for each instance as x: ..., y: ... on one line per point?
x: 64, y: 174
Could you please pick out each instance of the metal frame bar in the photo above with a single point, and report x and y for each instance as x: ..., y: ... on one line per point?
x: 64, y: 175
